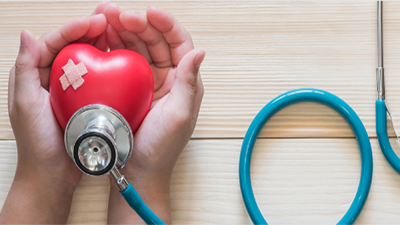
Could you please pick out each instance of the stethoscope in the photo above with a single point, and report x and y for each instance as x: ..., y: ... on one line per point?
x: 99, y: 140
x: 334, y: 102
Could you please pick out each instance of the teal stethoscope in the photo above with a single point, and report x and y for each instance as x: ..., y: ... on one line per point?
x: 332, y: 101
x: 307, y: 95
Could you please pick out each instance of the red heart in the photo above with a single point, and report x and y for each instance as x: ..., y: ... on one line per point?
x: 121, y: 79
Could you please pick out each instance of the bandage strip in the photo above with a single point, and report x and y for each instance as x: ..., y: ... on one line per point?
x: 73, y: 75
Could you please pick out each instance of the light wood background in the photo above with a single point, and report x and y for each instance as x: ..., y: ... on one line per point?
x: 306, y: 164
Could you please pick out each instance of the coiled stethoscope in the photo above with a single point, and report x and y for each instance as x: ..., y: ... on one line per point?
x: 319, y: 96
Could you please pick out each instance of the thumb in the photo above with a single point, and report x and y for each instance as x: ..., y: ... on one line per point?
x: 184, y: 87
x: 26, y: 65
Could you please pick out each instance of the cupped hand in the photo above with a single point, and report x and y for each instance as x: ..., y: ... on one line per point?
x: 43, y: 163
x: 169, y: 49
x: 167, y: 128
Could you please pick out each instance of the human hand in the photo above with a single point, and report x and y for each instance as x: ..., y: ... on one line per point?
x: 167, y: 128
x: 46, y: 177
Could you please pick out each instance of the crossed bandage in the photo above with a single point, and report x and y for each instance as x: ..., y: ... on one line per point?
x: 73, y: 75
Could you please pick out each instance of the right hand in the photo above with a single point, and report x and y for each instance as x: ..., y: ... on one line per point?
x: 167, y: 128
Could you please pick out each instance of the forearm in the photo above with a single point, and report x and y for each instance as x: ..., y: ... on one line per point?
x: 155, y: 193
x: 36, y: 201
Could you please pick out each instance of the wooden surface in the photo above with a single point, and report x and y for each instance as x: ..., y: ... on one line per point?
x: 306, y: 165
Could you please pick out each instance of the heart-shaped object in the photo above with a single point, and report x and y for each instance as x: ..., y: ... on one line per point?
x: 121, y: 79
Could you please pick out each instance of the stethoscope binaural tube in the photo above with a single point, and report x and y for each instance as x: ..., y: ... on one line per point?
x: 292, y: 97
x: 381, y: 108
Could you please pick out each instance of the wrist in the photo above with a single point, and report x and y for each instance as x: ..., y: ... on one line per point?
x: 63, y: 179
x: 41, y: 201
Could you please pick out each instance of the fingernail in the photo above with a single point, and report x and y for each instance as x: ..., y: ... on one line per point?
x: 114, y: 4
x: 198, y: 59
x: 24, y: 38
x: 97, y: 15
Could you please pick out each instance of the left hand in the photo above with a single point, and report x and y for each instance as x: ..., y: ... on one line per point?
x: 46, y: 177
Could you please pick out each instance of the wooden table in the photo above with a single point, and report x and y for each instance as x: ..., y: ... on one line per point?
x: 306, y: 164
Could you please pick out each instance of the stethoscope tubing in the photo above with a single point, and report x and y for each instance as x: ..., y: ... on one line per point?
x: 136, y: 203
x: 289, y: 98
x: 381, y: 132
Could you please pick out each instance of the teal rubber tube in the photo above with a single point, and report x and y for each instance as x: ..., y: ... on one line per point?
x: 381, y: 132
x: 135, y: 201
x: 292, y: 97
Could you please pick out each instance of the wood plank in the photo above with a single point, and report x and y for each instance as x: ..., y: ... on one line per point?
x: 255, y: 51
x: 295, y: 181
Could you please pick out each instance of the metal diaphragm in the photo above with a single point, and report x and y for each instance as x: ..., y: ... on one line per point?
x: 97, y: 139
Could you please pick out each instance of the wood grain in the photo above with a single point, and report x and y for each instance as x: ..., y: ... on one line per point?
x: 306, y: 166
x: 295, y: 181
x: 255, y: 51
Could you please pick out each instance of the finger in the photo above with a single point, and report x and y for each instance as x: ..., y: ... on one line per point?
x: 112, y: 13
x: 131, y: 40
x: 27, y: 59
x: 198, y: 97
x: 184, y: 87
x: 44, y: 77
x: 98, y: 24
x: 27, y: 80
x: 11, y: 87
x: 53, y: 41
x: 100, y: 7
x: 174, y: 33
x: 113, y: 39
x: 163, y: 81
x: 157, y: 46
x: 90, y: 41
x: 101, y: 42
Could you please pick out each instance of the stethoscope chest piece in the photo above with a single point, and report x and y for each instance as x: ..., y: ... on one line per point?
x: 97, y: 139
x: 100, y: 141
